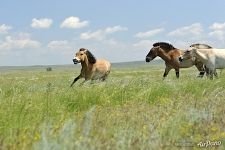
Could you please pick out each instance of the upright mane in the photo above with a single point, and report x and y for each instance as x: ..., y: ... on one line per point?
x: 200, y: 46
x: 164, y: 46
x: 90, y: 56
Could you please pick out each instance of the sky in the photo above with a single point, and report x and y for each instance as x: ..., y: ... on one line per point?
x: 50, y: 32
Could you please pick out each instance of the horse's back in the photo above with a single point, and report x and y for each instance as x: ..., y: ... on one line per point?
x: 103, y: 65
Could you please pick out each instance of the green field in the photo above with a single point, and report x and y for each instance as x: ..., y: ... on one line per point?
x: 133, y: 109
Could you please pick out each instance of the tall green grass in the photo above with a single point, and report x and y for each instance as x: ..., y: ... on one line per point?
x: 133, y: 109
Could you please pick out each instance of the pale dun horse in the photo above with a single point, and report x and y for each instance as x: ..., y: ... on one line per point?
x: 212, y: 58
x: 92, y: 69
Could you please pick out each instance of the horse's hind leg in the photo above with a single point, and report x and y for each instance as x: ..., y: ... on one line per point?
x: 105, y: 76
x: 177, y: 73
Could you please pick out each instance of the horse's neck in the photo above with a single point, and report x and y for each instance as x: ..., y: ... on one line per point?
x: 201, y: 55
x: 164, y: 55
x: 86, y: 65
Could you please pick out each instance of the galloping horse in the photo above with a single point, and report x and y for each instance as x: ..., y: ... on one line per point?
x: 212, y: 58
x: 170, y: 55
x: 92, y: 69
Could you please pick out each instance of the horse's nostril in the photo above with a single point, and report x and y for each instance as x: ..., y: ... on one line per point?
x: 75, y: 61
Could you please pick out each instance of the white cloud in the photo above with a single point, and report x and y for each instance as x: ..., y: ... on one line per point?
x: 4, y: 28
x: 74, y: 23
x: 21, y: 41
x: 218, y: 31
x: 217, y: 26
x: 218, y: 34
x: 42, y: 23
x: 194, y: 29
x: 59, y: 45
x: 97, y: 35
x: 150, y: 33
x: 115, y: 29
x: 101, y: 34
x: 144, y: 44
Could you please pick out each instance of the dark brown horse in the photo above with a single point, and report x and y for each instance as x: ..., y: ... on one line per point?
x: 92, y: 69
x: 171, y: 55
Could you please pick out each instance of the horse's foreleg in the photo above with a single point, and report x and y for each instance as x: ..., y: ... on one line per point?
x: 211, y: 73
x: 166, y: 72
x: 207, y: 71
x: 75, y: 80
x: 215, y: 73
x: 201, y: 69
x: 201, y: 74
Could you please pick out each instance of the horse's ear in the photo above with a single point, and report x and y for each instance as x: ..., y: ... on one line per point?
x: 83, y: 49
x: 90, y: 56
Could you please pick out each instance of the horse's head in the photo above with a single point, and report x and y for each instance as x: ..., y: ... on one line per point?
x: 188, y: 54
x: 152, y: 54
x: 82, y: 55
x: 157, y: 48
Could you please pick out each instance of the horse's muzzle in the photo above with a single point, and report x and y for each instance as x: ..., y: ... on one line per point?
x: 181, y: 59
x: 148, y: 59
x: 75, y: 61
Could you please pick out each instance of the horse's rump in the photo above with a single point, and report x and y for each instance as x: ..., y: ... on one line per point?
x: 101, y: 69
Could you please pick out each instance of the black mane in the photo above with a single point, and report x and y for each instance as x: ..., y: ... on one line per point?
x: 164, y: 45
x: 90, y: 56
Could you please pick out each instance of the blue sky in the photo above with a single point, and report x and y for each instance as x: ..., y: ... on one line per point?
x: 44, y: 32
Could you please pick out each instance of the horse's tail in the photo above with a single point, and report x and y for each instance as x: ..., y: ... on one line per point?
x: 108, y: 66
x: 108, y: 70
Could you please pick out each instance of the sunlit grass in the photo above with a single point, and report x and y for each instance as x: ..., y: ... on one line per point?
x: 133, y: 109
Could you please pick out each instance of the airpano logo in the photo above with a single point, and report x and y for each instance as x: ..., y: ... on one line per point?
x: 209, y: 144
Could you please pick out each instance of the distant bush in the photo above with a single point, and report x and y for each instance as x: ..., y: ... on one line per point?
x: 49, y: 69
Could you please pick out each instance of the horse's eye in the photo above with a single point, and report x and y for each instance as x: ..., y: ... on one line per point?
x: 81, y: 54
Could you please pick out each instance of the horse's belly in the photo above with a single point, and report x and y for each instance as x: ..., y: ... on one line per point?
x: 98, y: 75
x: 186, y: 64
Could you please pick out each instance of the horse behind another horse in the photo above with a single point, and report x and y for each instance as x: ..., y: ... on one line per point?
x: 170, y: 55
x: 212, y: 58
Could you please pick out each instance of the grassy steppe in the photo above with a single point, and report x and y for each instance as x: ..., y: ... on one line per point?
x: 133, y: 109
